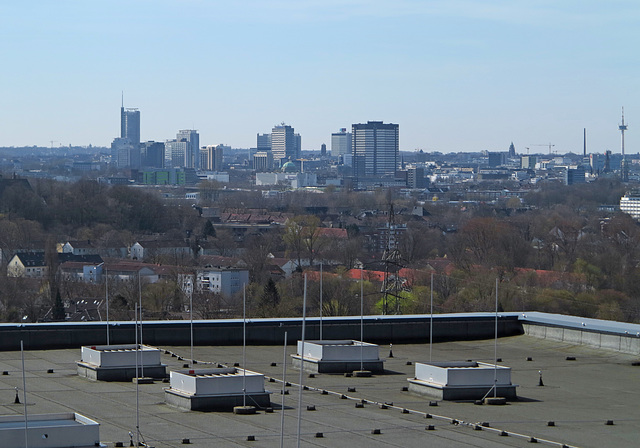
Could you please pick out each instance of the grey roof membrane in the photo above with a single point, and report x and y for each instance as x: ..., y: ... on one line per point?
x: 578, y: 396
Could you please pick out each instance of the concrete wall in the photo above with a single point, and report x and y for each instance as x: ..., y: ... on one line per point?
x: 377, y: 329
x: 621, y: 343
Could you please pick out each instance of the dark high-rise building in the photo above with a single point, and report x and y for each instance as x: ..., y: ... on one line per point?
x: 575, y: 175
x: 496, y: 159
x: 323, y: 150
x: 375, y: 149
x: 152, y: 154
x: 130, y: 125
x: 263, y: 142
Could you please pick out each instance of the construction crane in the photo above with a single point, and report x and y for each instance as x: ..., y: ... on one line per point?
x: 548, y: 144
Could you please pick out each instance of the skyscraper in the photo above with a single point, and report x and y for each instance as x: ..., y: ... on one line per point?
x: 285, y: 144
x: 175, y: 154
x: 152, y: 154
x: 211, y: 157
x: 130, y: 125
x: 192, y: 152
x: 264, y: 142
x: 340, y: 143
x: 375, y: 149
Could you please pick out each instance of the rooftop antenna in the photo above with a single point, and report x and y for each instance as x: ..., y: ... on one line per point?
x: 300, y: 387
x: 321, y: 300
x: 122, y: 104
x: 361, y: 318
x: 495, y: 349
x: 431, y: 321
x: 106, y: 293
x: 137, y: 382
x: 284, y: 384
x: 24, y: 397
x: 190, y: 286
x: 622, y: 128
x: 140, y: 301
x: 244, y: 346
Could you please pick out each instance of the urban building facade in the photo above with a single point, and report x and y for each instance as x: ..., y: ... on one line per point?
x: 191, y: 136
x: 152, y: 154
x: 340, y: 143
x: 285, y: 143
x: 211, y: 157
x: 263, y: 161
x: 630, y: 203
x: 224, y: 281
x: 130, y: 125
x: 375, y: 149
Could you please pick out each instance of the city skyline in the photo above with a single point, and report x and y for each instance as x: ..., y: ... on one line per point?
x: 456, y: 76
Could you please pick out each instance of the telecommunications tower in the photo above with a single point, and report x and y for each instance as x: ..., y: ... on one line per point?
x: 625, y: 168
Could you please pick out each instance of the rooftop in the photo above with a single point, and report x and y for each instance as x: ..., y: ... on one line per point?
x: 583, y: 388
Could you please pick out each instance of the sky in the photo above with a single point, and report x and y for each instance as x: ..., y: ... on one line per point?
x: 456, y: 75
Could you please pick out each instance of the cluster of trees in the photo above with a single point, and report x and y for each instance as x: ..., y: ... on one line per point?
x: 553, y: 251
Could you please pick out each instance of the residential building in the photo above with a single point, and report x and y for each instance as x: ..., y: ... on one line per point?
x: 34, y: 264
x: 340, y: 143
x: 630, y: 203
x: 415, y: 178
x: 285, y: 143
x: 375, y: 149
x: 224, y: 281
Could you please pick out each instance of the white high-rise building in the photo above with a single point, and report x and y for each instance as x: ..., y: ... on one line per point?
x: 285, y: 144
x: 340, y: 143
x: 192, y: 154
x: 375, y: 149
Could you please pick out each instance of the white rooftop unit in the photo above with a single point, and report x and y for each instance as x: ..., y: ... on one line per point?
x: 118, y: 362
x: 216, y: 389
x: 66, y: 430
x: 457, y: 380
x: 337, y: 356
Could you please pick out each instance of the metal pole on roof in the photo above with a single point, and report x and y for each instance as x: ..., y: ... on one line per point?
x: 137, y: 382
x: 24, y: 397
x: 361, y: 319
x: 191, y: 315
x: 431, y: 322
x: 495, y: 349
x: 284, y: 383
x: 321, y: 300
x: 244, y: 346
x: 300, y: 387
x: 106, y: 294
x: 140, y: 300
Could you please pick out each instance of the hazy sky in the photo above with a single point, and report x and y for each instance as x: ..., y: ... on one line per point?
x: 456, y: 75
